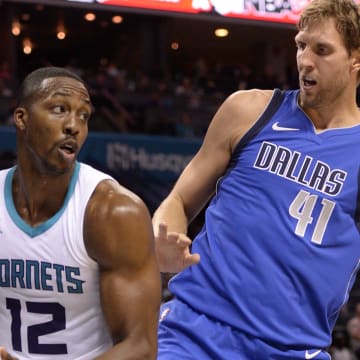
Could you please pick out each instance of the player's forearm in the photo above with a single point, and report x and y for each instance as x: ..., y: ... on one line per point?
x: 128, y: 350
x: 172, y: 213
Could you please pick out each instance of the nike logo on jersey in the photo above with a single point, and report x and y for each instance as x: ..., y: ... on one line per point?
x: 164, y: 313
x: 309, y: 355
x: 277, y: 127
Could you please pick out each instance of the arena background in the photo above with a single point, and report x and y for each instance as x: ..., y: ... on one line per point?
x: 162, y: 39
x: 156, y: 38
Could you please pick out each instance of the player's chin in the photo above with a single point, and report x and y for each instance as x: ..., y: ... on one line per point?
x: 60, y: 167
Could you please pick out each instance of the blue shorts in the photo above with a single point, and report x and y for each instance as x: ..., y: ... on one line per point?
x: 185, y: 334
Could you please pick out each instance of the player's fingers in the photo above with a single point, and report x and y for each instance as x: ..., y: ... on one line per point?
x: 192, y: 259
x: 173, y: 237
x: 162, y: 232
x: 183, y: 240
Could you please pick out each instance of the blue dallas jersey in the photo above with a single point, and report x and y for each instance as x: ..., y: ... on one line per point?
x: 280, y: 246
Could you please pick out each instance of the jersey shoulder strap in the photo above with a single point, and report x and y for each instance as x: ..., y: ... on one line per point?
x: 274, y: 104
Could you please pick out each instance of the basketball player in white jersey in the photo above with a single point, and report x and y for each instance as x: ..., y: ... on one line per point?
x: 78, y: 273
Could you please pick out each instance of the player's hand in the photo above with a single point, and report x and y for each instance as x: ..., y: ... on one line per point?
x: 4, y: 355
x: 173, y: 250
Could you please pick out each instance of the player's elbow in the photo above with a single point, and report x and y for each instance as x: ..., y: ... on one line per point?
x: 146, y: 350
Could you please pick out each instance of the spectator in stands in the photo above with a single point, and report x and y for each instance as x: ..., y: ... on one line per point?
x: 353, y: 329
x: 268, y: 79
x: 339, y: 349
x: 184, y: 127
x: 109, y: 114
x: 7, y: 99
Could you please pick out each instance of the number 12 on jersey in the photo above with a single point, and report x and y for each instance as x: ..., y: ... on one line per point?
x: 35, y: 331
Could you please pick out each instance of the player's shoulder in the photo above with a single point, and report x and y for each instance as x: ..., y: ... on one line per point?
x: 112, y: 200
x: 237, y: 114
x: 246, y: 104
x: 115, y: 218
x: 108, y: 194
x: 252, y: 96
x: 110, y: 191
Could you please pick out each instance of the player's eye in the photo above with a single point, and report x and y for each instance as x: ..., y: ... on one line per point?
x: 58, y: 109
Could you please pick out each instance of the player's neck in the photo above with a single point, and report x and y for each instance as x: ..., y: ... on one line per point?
x: 336, y: 115
x: 37, y: 197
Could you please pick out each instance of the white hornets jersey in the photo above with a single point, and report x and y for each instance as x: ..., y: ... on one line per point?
x: 49, y: 286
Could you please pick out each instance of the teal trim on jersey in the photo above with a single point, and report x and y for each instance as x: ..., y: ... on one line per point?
x: 33, y: 231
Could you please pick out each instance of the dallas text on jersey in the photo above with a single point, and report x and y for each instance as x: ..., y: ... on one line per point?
x: 293, y: 166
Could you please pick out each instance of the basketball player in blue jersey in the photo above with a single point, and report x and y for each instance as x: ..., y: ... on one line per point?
x: 278, y: 253
x: 78, y: 271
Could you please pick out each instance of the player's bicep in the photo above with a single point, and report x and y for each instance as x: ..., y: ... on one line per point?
x: 233, y: 119
x: 119, y: 237
x: 198, y: 181
x: 131, y: 302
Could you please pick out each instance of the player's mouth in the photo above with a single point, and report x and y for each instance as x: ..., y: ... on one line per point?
x: 308, y: 82
x: 69, y: 149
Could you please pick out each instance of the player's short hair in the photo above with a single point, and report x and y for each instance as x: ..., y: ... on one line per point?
x: 31, y: 86
x: 345, y: 13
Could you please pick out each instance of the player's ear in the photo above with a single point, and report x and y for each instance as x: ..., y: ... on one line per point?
x: 356, y: 60
x: 20, y: 118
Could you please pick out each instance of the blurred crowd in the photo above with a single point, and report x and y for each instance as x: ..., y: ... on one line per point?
x: 346, y: 336
x: 177, y: 104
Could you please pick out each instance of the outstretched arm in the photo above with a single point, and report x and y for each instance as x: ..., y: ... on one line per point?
x: 197, y: 183
x: 118, y: 235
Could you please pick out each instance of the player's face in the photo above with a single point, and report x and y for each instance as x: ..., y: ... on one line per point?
x: 56, y: 125
x: 324, y: 65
